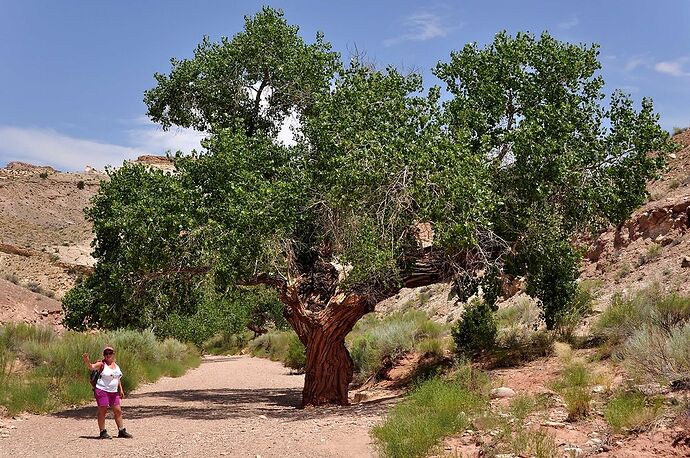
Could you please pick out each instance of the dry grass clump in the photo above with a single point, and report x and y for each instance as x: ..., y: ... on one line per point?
x: 650, y: 332
x: 522, y: 334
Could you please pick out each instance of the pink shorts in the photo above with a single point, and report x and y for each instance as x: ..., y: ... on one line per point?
x: 105, y: 398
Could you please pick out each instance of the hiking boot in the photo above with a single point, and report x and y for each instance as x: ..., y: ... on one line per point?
x: 123, y: 433
x: 105, y: 435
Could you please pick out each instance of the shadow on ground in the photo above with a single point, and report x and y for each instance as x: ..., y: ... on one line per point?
x: 227, y: 403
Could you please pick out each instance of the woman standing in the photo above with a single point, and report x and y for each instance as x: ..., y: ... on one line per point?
x: 108, y: 390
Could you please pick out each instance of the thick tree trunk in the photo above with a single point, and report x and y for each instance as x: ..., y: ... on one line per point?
x: 329, y: 367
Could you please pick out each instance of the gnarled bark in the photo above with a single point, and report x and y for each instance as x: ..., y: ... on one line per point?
x: 329, y: 367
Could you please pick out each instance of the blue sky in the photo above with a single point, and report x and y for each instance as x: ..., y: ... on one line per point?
x: 73, y: 73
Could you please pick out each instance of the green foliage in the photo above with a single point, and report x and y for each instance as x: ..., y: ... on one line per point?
x: 581, y: 306
x: 574, y: 385
x: 282, y: 346
x: 631, y: 411
x: 434, y: 410
x: 375, y: 343
x: 53, y: 373
x: 532, y: 107
x: 224, y: 343
x: 223, y: 85
x: 475, y: 332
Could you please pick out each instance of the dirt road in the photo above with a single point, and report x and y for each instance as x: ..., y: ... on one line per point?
x: 229, y: 406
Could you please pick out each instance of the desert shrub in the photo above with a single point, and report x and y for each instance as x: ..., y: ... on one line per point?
x: 43, y: 175
x: 225, y: 343
x: 574, y: 386
x: 476, y: 331
x: 521, y: 334
x: 282, y: 346
x: 650, y: 331
x: 435, y: 409
x: 375, y: 342
x: 13, y: 278
x: 36, y: 288
x: 80, y: 184
x: 631, y: 411
x: 649, y: 306
x: 653, y: 354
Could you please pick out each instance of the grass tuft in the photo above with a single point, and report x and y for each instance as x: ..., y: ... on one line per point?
x: 437, y: 408
x: 631, y: 412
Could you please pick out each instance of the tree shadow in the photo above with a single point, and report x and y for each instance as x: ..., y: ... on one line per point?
x: 220, y: 404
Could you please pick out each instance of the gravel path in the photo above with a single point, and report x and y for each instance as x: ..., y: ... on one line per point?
x: 229, y: 406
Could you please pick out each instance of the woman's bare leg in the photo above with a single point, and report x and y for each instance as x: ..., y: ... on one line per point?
x: 102, y: 411
x: 117, y: 411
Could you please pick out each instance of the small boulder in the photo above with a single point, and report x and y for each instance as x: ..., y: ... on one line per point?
x: 502, y: 392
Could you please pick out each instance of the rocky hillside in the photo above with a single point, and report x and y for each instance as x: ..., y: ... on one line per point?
x: 653, y: 246
x: 44, y: 238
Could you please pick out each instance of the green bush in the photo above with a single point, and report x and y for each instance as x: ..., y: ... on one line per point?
x: 225, y: 343
x: 631, y: 411
x: 476, y: 330
x: 374, y: 342
x: 282, y: 346
x: 436, y: 409
x: 574, y: 386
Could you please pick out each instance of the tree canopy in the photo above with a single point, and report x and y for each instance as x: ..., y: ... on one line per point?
x: 521, y: 157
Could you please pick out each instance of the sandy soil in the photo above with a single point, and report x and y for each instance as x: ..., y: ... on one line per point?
x: 229, y: 406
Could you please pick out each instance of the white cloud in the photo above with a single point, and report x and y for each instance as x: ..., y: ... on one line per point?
x: 421, y: 26
x: 286, y: 136
x: 569, y: 24
x: 48, y: 147
x: 636, y: 62
x: 674, y: 67
x: 149, y: 136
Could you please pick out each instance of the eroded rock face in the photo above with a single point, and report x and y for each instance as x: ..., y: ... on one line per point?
x: 25, y: 166
x: 158, y: 162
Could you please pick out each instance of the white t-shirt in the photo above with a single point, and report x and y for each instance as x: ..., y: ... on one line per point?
x: 109, y: 379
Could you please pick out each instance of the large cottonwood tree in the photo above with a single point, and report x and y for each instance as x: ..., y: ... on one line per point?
x: 338, y: 221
